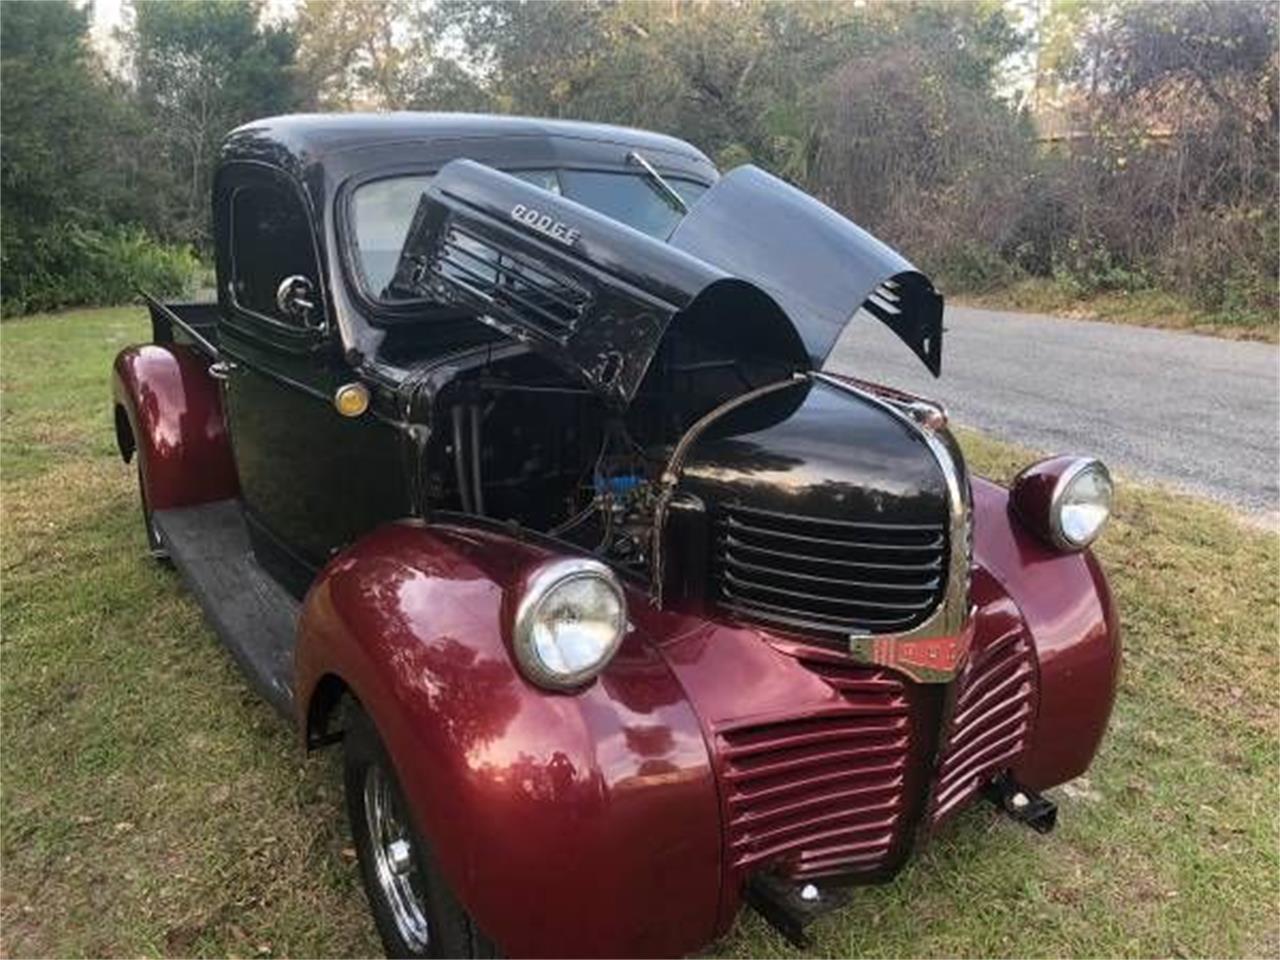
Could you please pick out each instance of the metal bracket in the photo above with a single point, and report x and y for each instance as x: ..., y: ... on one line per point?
x: 1024, y: 805
x: 790, y: 907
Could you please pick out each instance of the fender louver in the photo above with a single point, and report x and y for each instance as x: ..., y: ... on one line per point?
x: 822, y: 796
x: 990, y: 722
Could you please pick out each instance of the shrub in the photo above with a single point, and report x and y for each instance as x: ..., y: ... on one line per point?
x: 68, y: 265
x: 972, y: 268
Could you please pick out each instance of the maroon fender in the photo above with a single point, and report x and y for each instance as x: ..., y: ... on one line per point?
x: 169, y: 409
x: 586, y: 822
x: 1067, y: 607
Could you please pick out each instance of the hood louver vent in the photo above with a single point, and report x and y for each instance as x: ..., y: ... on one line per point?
x: 513, y: 282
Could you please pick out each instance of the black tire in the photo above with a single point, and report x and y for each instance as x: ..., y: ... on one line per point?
x: 449, y: 931
x: 155, y: 545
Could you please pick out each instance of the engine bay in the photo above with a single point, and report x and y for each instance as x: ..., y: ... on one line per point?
x: 519, y: 440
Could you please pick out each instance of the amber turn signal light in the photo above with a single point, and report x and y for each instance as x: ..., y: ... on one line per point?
x: 351, y: 399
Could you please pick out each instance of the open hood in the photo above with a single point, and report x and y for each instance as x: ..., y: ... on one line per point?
x: 590, y: 293
x: 818, y: 266
x: 596, y: 296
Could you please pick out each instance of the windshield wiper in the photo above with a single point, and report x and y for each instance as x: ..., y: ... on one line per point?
x: 663, y: 188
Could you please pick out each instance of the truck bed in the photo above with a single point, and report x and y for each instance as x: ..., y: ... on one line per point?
x: 192, y: 323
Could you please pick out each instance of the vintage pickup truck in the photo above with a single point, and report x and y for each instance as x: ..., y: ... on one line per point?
x: 506, y: 459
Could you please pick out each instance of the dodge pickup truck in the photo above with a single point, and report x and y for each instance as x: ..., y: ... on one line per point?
x: 507, y: 461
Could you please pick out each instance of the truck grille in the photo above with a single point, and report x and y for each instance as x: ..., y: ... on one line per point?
x: 830, y: 577
x: 818, y: 796
x: 990, y: 723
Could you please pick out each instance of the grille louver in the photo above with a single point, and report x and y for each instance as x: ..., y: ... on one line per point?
x: 991, y: 721
x: 821, y: 796
x: 512, y: 282
x: 832, y: 577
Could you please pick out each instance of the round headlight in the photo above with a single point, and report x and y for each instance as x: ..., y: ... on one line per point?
x: 1066, y: 501
x: 1081, y: 504
x: 569, y: 622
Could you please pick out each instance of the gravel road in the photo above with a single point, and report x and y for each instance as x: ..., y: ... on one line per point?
x: 1194, y: 412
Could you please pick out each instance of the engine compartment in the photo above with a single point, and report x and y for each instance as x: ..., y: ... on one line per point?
x: 518, y: 439
x: 614, y: 345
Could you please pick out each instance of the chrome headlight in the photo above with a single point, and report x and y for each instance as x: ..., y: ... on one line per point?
x: 569, y: 622
x: 1066, y: 500
x: 1081, y: 504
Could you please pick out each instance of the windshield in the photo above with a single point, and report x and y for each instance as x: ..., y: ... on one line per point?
x: 382, y: 210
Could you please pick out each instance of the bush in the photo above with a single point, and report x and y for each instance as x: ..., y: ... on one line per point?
x: 972, y: 268
x: 68, y: 265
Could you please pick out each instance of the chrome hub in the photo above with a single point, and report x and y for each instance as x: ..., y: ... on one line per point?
x: 394, y: 866
x: 399, y: 853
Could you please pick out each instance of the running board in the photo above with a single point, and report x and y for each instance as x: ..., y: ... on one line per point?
x: 254, y: 616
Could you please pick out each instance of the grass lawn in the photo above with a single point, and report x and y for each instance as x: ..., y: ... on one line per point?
x: 1142, y: 308
x: 152, y: 806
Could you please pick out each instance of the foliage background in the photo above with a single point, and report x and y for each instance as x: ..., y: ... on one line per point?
x: 1094, y: 145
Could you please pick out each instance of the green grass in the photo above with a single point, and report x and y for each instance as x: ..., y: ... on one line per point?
x: 1143, y: 308
x: 150, y: 805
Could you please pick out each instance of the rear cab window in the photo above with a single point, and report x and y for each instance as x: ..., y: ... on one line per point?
x: 270, y: 240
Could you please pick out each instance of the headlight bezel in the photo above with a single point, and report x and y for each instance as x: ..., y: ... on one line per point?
x: 1066, y: 481
x: 539, y: 586
x: 1039, y: 494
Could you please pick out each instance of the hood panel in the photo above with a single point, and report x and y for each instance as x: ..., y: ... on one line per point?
x: 597, y: 297
x: 819, y: 267
x: 587, y: 291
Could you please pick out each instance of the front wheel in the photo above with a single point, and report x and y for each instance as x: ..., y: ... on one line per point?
x: 416, y: 913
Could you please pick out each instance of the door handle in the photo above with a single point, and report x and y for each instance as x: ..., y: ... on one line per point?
x: 221, y: 370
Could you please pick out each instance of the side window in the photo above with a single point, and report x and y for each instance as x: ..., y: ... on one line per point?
x: 270, y: 240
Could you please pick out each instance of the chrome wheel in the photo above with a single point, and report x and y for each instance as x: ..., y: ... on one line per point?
x: 394, y: 864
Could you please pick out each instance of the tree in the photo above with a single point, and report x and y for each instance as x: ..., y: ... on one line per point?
x: 49, y: 86
x: 203, y: 67
x: 359, y: 54
x: 380, y: 55
x: 1174, y: 177
x: 918, y: 143
x: 535, y: 57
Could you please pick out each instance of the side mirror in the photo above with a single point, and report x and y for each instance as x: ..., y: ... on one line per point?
x: 296, y: 300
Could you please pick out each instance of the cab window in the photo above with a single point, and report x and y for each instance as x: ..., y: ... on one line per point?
x: 270, y: 240
x: 381, y: 212
x: 631, y: 199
